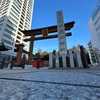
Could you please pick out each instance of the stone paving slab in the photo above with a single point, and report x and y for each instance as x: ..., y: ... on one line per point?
x: 49, y: 84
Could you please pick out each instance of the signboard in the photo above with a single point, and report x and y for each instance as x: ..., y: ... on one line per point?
x: 45, y: 32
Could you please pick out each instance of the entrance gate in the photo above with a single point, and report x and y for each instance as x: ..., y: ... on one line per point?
x: 44, y: 31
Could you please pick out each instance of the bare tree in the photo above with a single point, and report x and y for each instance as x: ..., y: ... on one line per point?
x: 39, y: 51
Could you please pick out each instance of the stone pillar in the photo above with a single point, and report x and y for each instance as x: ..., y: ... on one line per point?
x: 31, y: 50
x: 78, y: 57
x: 57, y: 60
x: 83, y: 56
x: 61, y: 33
x: 71, y: 58
x: 50, y: 60
x: 19, y: 53
x: 64, y: 60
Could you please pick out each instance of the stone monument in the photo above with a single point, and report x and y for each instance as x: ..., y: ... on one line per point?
x: 61, y: 33
x: 64, y: 58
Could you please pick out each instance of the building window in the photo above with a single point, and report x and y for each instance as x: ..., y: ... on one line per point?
x: 14, y: 12
x: 19, y: 33
x: 14, y: 16
x: 97, y: 9
x: 3, y: 16
x: 12, y: 23
x: 1, y: 24
x: 97, y: 20
x: 6, y: 41
x: 16, y: 9
x: 9, y: 32
x: 9, y: 37
x: 10, y: 27
x: 17, y: 41
x: 4, y: 13
x: 17, y: 5
x: 97, y: 28
x: 13, y: 20
x: 10, y: 48
x: 18, y: 37
x: 5, y: 9
x: 1, y: 20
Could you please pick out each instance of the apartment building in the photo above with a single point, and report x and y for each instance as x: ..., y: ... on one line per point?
x: 15, y: 16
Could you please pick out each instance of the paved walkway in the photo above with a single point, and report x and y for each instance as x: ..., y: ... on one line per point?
x: 50, y: 84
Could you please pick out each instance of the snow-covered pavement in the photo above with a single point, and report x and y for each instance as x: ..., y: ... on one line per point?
x: 46, y: 84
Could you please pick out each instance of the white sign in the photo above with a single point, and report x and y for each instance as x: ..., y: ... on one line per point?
x: 61, y: 33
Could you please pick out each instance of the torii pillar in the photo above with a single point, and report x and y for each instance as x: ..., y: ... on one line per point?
x: 31, y: 50
x: 19, y: 53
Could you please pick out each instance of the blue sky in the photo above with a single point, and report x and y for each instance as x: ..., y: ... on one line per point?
x: 44, y: 14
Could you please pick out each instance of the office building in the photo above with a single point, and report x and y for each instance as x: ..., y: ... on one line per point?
x: 15, y: 16
x: 91, y: 52
x: 94, y: 26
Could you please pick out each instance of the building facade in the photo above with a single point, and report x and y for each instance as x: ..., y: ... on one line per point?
x: 15, y: 16
x: 94, y: 26
x: 91, y: 52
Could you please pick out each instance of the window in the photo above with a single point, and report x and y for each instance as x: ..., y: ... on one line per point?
x: 97, y: 28
x: 4, y: 13
x: 6, y: 5
x: 14, y: 16
x: 10, y: 27
x: 6, y: 41
x: 97, y: 20
x: 23, y: 16
x: 16, y: 9
x: 12, y: 23
x: 21, y: 23
x: 5, y: 9
x: 96, y: 12
x: 17, y: 41
x: 3, y: 16
x: 18, y: 6
x: 19, y: 29
x: 19, y: 2
x: 9, y: 37
x: 1, y: 20
x: 18, y: 37
x: 10, y: 48
x: 9, y: 32
x: 13, y: 20
x: 1, y: 24
x: 20, y: 26
x: 14, y: 12
x: 19, y: 33
x: 22, y: 19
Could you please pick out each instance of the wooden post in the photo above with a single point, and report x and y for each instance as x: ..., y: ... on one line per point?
x: 38, y: 56
x: 31, y: 50
x: 19, y: 53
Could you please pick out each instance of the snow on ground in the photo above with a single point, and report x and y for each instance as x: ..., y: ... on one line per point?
x: 45, y: 84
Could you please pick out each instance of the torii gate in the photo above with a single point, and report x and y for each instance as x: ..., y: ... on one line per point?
x: 44, y: 31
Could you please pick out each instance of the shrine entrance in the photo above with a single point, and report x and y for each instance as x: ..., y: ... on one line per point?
x: 64, y: 58
x: 45, y: 31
